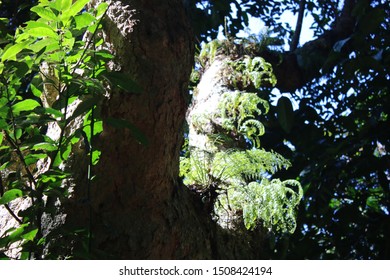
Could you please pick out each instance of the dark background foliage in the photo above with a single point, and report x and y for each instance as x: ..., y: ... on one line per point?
x: 337, y: 136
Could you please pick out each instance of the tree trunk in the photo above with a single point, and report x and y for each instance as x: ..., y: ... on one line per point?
x: 138, y: 209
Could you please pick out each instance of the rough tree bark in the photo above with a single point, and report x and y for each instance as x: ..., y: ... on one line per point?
x: 139, y: 209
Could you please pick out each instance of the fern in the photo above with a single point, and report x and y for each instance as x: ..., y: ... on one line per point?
x: 234, y: 172
x: 241, y: 178
x: 209, y: 52
x: 249, y: 72
x: 239, y: 112
x: 271, y: 202
x: 196, y: 169
x: 253, y: 129
x: 244, y: 166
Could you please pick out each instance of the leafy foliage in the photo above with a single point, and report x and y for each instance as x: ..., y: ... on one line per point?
x: 272, y: 202
x: 234, y: 180
x: 59, y: 51
x: 239, y: 180
x: 250, y: 72
x: 337, y: 138
x: 239, y: 112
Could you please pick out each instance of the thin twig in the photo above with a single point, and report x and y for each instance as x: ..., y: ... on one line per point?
x: 10, y: 211
x: 13, y: 214
x: 19, y: 153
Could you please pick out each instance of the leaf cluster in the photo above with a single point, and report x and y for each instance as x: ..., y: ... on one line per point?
x: 239, y: 113
x: 270, y: 202
x: 59, y: 54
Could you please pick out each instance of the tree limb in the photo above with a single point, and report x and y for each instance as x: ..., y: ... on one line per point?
x: 298, y: 28
x: 295, y: 68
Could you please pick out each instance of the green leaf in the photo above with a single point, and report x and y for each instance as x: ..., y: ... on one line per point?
x: 69, y: 43
x: 65, y: 4
x: 285, y: 113
x: 3, y: 124
x: 52, y: 176
x: 18, y: 133
x: 22, y: 68
x: 11, y: 52
x: 373, y: 203
x: 6, y: 164
x: 50, y: 111
x: 50, y: 147
x: 122, y: 81
x: 35, y: 91
x: 36, y: 139
x: 120, y: 124
x: 6, y: 240
x: 33, y: 158
x: 104, y: 54
x: 25, y: 105
x: 75, y: 8
x: 45, y: 13
x: 42, y: 32
x: 58, y: 160
x: 14, y: 235
x: 10, y: 195
x: 95, y: 156
x: 101, y: 9
x: 84, y: 20
x: 48, y: 44
x: 34, y: 24
x: 30, y: 235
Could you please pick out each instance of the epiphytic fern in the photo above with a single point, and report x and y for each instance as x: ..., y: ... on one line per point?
x: 235, y: 173
x: 239, y: 112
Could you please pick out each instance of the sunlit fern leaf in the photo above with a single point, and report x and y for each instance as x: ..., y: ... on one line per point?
x: 272, y: 203
x: 253, y: 129
x: 239, y: 110
x: 247, y: 165
x: 195, y: 169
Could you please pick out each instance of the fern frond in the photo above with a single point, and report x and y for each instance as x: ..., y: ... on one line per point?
x: 239, y: 112
x: 252, y: 129
x: 247, y: 165
x: 269, y: 202
x: 195, y: 169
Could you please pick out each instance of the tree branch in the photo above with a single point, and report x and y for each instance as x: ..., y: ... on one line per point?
x: 298, y: 28
x: 295, y: 68
x: 6, y: 205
